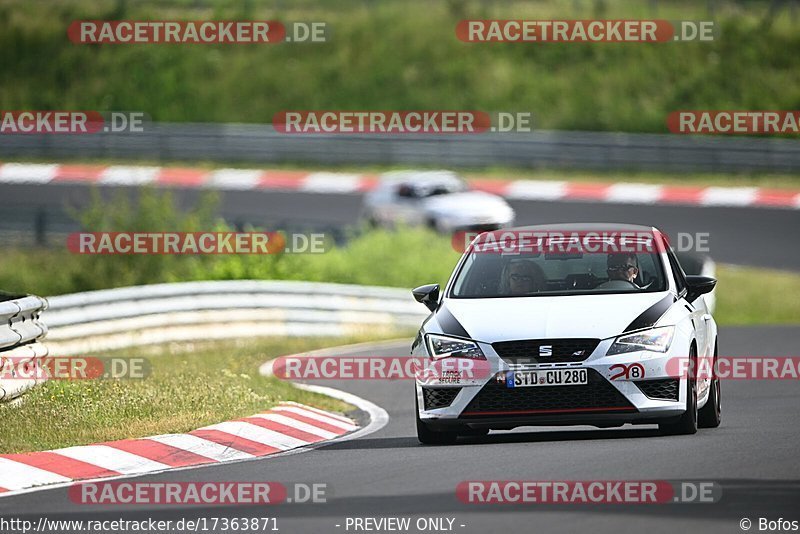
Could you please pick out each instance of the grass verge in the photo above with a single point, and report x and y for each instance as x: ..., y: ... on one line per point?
x: 749, y: 295
x: 190, y: 386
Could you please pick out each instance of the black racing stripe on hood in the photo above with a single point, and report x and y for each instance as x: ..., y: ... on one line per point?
x: 449, y: 323
x: 651, y: 315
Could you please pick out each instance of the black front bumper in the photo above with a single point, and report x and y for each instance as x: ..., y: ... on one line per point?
x: 498, y: 401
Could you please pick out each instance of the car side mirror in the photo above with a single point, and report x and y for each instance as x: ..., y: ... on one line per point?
x: 699, y: 285
x: 427, y: 295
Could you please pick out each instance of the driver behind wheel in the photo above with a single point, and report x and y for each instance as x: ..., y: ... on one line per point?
x: 622, y: 269
x: 522, y: 277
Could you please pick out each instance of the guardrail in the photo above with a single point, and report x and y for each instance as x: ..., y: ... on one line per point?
x: 551, y: 149
x: 192, y: 311
x: 20, y: 331
x: 132, y: 316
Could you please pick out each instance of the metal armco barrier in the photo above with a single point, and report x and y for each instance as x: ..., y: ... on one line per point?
x: 20, y: 331
x: 132, y: 316
x: 550, y: 149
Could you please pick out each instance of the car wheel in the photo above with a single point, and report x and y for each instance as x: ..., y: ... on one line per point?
x: 371, y: 220
x: 428, y: 436
x: 710, y: 415
x: 687, y: 423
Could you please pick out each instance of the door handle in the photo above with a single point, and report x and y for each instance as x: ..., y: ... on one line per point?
x: 706, y: 316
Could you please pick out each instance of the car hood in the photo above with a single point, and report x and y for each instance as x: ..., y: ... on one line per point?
x: 475, y: 202
x: 591, y: 316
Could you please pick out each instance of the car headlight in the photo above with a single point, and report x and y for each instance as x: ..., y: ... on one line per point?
x: 655, y: 339
x: 449, y: 347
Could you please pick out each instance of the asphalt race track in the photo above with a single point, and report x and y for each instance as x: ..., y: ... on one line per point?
x: 746, y: 236
x: 753, y: 456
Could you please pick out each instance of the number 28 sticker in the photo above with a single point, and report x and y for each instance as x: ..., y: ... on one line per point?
x: 626, y: 372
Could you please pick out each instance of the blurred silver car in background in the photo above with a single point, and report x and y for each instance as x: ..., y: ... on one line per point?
x: 438, y: 199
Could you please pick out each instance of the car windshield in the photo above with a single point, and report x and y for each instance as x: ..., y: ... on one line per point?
x: 525, y: 274
x: 425, y: 189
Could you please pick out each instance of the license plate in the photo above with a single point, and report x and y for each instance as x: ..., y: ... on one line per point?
x: 552, y: 377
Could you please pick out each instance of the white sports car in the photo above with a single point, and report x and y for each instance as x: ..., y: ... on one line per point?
x: 438, y: 199
x: 591, y: 335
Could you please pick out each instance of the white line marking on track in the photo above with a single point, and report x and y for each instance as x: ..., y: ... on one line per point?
x: 331, y: 182
x: 299, y: 425
x: 634, y: 193
x: 341, y: 418
x: 28, y: 173
x: 203, y: 447
x: 234, y: 179
x: 258, y: 434
x: 16, y: 475
x: 378, y: 417
x: 322, y: 418
x: 536, y: 190
x: 112, y: 459
x: 728, y: 196
x: 124, y: 175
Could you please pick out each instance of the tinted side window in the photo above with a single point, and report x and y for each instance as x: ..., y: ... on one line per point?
x: 407, y: 191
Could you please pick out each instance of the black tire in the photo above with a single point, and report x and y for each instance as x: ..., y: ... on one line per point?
x: 473, y: 432
x: 687, y: 423
x: 371, y: 221
x: 428, y: 436
x: 710, y: 415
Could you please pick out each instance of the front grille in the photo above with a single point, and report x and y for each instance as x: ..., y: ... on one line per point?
x: 663, y: 389
x: 528, y: 350
x: 597, y: 396
x: 439, y: 397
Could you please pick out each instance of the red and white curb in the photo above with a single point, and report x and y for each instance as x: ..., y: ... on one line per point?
x: 286, y: 427
x: 344, y: 183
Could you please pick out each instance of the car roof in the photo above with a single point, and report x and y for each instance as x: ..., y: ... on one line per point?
x: 420, y: 177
